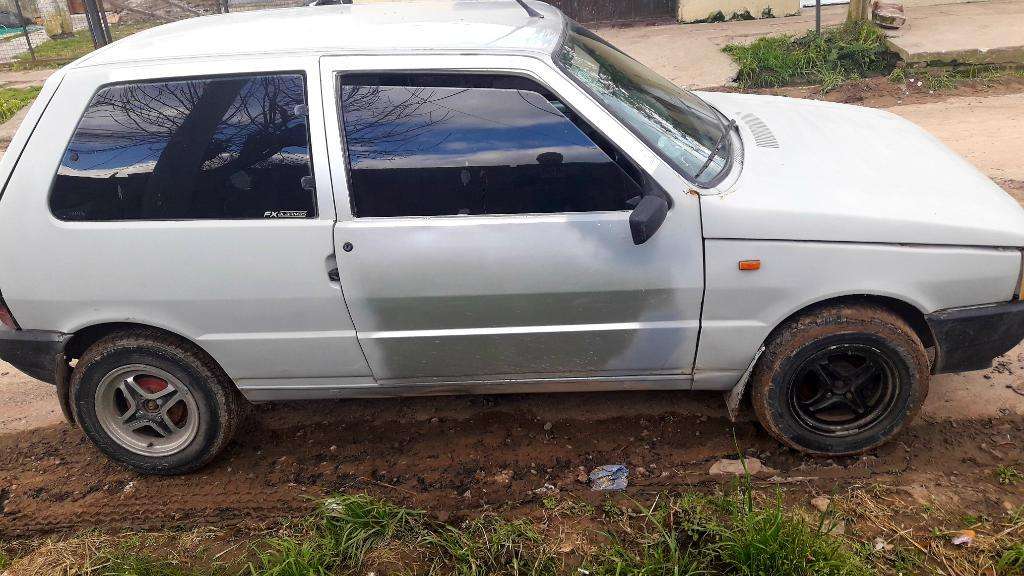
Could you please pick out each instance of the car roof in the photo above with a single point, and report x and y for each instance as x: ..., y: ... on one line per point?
x: 466, y: 25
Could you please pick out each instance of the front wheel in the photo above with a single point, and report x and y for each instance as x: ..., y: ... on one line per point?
x: 154, y: 403
x: 841, y: 380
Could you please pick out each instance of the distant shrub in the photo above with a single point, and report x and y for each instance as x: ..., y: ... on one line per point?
x: 851, y: 50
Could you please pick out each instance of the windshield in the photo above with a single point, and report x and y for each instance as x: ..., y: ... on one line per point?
x: 681, y: 126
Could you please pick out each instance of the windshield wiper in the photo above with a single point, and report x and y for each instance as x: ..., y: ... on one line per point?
x: 726, y: 131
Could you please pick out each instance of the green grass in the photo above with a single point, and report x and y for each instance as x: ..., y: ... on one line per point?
x: 125, y: 563
x: 354, y: 525
x: 5, y: 560
x: 662, y: 539
x: 769, y: 540
x: 1008, y: 475
x: 732, y: 533
x: 57, y: 52
x: 14, y: 99
x: 490, y: 545
x: 849, y: 51
x: 941, y: 79
x: 1012, y: 561
x: 339, y: 534
x: 291, y: 557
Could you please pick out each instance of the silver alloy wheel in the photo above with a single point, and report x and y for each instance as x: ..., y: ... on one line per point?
x: 147, y: 410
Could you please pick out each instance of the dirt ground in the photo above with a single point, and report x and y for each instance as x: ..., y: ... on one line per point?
x: 453, y: 455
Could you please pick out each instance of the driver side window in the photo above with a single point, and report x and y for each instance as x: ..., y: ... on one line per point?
x: 442, y: 145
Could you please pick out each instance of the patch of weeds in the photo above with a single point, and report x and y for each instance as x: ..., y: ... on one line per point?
x: 940, y: 81
x: 567, y: 507
x: 490, y: 545
x: 767, y: 12
x: 290, y: 557
x: 128, y: 564
x: 898, y: 75
x: 972, y: 520
x: 844, y: 52
x: 1012, y: 560
x: 1016, y: 515
x: 353, y: 525
x: 662, y: 556
x: 745, y: 15
x: 1008, y: 475
x: 766, y: 539
x: 900, y: 560
x: 128, y: 557
x: 712, y: 18
x: 5, y: 560
x: 661, y: 540
x: 14, y: 99
x: 830, y: 79
x: 610, y: 510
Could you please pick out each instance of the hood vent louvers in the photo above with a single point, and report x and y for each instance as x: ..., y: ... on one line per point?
x: 763, y: 135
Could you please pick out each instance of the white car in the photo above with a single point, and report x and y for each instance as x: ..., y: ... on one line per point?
x: 476, y: 197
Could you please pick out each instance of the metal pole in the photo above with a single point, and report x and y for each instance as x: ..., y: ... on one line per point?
x: 24, y: 30
x: 103, y: 20
x: 92, y: 14
x: 817, y: 17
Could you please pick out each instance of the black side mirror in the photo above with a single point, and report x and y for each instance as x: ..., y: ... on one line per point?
x: 647, y: 217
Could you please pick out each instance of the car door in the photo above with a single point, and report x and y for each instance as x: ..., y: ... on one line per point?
x: 194, y: 197
x: 485, y: 232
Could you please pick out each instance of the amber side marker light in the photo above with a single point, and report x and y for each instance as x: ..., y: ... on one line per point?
x: 750, y: 264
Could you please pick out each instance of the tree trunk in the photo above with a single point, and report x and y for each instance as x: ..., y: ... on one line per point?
x: 168, y: 192
x: 859, y: 10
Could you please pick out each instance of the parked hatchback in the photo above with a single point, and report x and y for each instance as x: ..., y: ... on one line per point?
x: 476, y: 197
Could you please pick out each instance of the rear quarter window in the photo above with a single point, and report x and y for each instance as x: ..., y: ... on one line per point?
x: 207, y: 148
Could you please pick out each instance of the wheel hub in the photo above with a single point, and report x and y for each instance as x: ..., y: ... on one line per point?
x: 147, y: 410
x: 844, y: 389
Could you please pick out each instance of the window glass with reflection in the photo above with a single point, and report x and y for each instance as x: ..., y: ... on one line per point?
x: 433, y: 150
x: 685, y: 129
x: 226, y: 148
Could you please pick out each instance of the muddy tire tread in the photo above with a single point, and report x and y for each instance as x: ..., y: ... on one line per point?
x: 229, y: 401
x: 795, y: 333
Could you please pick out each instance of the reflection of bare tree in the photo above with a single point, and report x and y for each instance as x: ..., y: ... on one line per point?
x: 217, y: 127
x: 383, y: 123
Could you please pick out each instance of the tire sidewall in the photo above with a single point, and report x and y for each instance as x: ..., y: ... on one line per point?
x: 794, y: 342
x: 902, y: 405
x: 191, y: 374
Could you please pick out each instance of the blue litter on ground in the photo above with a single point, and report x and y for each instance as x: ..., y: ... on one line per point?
x: 609, y: 477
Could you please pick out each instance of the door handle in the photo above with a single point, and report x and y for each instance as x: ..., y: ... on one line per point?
x: 333, y: 275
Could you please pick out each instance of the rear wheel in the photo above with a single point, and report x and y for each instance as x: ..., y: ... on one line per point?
x: 841, y: 380
x: 154, y: 403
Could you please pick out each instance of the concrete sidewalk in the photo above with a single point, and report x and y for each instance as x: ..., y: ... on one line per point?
x: 23, y: 79
x: 990, y: 32
x: 691, y: 54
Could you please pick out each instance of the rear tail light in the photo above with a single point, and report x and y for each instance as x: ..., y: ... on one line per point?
x: 6, y: 318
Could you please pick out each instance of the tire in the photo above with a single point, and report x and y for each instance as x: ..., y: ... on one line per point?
x: 841, y: 380
x: 154, y: 403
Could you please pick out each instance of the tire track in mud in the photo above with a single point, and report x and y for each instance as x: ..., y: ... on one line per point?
x: 454, y: 458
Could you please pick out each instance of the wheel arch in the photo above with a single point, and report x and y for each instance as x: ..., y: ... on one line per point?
x: 84, y: 337
x: 910, y: 313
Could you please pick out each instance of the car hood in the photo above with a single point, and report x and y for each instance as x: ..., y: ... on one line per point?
x: 815, y: 170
